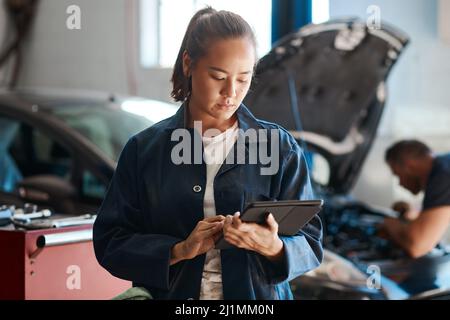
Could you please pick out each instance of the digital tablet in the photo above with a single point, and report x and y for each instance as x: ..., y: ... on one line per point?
x: 291, y: 215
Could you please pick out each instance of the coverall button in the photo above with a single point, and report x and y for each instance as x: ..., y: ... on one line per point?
x: 197, y: 189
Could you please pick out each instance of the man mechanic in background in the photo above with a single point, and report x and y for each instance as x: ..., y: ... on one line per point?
x: 419, y: 169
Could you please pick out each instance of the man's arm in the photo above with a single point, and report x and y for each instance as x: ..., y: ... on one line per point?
x: 420, y: 236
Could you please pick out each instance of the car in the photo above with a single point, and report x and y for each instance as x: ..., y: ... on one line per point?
x: 326, y: 84
x: 59, y: 148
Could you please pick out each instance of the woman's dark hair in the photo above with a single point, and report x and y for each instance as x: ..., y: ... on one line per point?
x: 205, y: 27
x: 401, y: 150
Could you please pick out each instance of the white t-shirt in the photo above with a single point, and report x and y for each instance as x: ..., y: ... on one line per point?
x: 216, y: 150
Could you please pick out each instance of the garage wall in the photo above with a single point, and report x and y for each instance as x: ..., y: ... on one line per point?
x: 97, y: 57
x: 90, y: 58
x: 418, y: 101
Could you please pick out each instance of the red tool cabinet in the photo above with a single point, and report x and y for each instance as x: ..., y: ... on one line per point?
x: 53, y: 264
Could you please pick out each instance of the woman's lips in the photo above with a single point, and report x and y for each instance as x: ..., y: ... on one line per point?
x: 225, y: 106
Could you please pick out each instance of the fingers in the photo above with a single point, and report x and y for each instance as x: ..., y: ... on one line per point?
x: 214, y: 227
x: 233, y: 219
x: 235, y: 238
x: 206, y: 230
x: 204, y: 226
x: 250, y: 236
x: 228, y: 220
x: 214, y: 219
x: 246, y: 235
x: 237, y: 222
x: 210, y: 232
x: 210, y: 222
x: 217, y: 236
x: 272, y: 224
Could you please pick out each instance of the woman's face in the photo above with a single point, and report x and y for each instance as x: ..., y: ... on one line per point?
x: 221, y: 79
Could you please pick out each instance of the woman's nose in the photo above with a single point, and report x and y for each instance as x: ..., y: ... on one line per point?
x: 229, y: 90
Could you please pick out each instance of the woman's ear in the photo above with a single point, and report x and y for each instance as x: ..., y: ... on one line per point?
x: 186, y: 64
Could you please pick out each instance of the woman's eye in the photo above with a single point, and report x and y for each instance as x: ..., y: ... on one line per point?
x: 218, y: 78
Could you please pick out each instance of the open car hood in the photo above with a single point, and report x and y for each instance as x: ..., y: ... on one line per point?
x: 326, y: 85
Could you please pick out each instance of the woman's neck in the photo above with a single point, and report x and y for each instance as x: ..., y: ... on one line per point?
x: 207, y: 121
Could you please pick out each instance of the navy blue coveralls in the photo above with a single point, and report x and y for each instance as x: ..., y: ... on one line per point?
x: 152, y: 204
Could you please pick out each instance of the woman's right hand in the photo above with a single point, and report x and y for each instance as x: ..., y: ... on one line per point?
x: 201, y: 240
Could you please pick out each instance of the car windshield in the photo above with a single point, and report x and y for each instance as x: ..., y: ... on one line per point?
x: 109, y: 126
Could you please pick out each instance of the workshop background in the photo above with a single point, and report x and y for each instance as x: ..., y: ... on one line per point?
x: 107, y: 55
x: 127, y: 47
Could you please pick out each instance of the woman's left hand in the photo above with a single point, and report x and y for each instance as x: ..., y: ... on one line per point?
x: 262, y: 239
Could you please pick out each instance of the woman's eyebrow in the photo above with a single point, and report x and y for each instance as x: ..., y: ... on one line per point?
x: 223, y: 71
